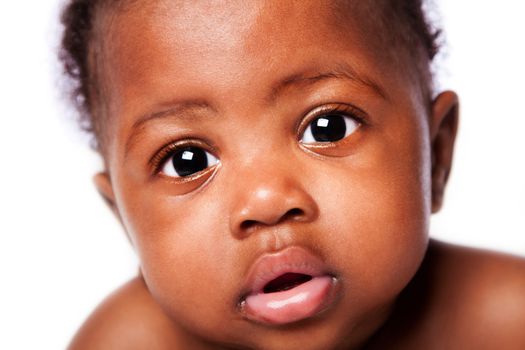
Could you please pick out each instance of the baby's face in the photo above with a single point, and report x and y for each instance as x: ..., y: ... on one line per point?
x: 265, y: 141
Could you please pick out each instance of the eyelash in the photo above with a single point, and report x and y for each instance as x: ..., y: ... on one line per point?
x: 160, y: 158
x: 334, y: 108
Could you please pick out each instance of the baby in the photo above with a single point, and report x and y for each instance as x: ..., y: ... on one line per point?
x: 275, y: 164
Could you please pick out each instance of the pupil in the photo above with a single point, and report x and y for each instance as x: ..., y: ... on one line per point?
x: 329, y: 128
x: 189, y: 160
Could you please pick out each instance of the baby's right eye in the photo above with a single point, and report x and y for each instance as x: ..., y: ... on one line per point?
x: 187, y: 161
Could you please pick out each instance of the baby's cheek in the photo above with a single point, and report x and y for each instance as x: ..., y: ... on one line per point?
x: 380, y: 234
x: 184, y: 257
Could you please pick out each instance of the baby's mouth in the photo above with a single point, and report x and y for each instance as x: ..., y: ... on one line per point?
x: 286, y: 287
x: 284, y: 282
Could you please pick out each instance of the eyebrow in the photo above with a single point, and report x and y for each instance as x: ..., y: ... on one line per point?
x: 182, y: 109
x: 340, y: 71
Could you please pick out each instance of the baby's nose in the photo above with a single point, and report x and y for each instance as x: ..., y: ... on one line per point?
x: 269, y: 199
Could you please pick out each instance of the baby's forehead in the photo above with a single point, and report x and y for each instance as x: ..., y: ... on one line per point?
x: 229, y: 20
x: 246, y: 34
x: 197, y: 19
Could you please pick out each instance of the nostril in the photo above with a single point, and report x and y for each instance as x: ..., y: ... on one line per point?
x: 293, y: 214
x: 248, y: 224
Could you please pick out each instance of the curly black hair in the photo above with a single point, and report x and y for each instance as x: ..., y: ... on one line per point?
x: 404, y: 20
x: 77, y: 19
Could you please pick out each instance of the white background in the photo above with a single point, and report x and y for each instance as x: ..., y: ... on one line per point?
x: 61, y: 251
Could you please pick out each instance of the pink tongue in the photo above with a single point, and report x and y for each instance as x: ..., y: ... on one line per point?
x: 291, y: 305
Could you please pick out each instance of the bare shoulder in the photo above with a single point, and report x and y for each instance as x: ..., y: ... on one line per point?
x: 479, y: 296
x: 128, y: 319
x: 480, y: 275
x: 461, y: 298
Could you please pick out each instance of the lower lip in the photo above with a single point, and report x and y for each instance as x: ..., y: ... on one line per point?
x: 301, y: 302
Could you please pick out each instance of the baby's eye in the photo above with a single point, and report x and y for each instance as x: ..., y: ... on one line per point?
x: 187, y: 161
x: 329, y: 128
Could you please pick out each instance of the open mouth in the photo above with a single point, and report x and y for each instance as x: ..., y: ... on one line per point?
x: 285, y: 282
x: 286, y: 287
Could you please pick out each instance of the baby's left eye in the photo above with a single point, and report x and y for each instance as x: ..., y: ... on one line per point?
x: 187, y: 161
x: 329, y: 128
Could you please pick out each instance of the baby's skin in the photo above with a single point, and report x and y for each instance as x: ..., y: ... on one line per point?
x: 275, y: 165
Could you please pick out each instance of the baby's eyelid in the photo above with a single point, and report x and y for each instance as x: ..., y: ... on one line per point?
x: 352, y: 116
x: 335, y: 108
x: 187, y: 156
x: 165, y: 154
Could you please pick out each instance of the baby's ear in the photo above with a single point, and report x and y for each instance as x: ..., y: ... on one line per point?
x: 443, y: 128
x: 102, y: 181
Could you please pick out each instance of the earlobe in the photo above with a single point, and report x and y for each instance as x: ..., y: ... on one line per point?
x: 103, y: 184
x: 443, y: 129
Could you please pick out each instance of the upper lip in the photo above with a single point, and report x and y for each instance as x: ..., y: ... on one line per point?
x: 272, y: 265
